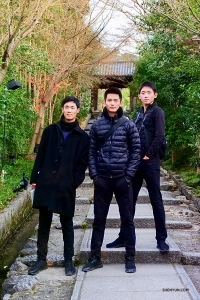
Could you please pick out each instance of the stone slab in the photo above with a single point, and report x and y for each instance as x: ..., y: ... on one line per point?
x: 191, y: 258
x: 143, y: 218
x: 150, y: 282
x: 83, y: 200
x: 164, y: 185
x: 146, y: 251
x: 168, y: 197
x: 87, y: 183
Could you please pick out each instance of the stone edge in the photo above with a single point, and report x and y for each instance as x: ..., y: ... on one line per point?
x: 185, y: 190
x: 13, y: 216
x: 187, y: 282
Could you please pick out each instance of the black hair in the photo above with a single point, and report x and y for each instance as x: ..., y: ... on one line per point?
x: 113, y: 90
x: 148, y: 84
x: 71, y: 98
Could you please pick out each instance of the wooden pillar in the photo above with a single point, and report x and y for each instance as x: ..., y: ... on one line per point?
x: 132, y: 102
x: 94, y: 98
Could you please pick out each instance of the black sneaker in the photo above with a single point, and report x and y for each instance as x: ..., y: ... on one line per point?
x: 38, y: 266
x: 94, y: 263
x: 130, y: 265
x: 162, y: 246
x: 118, y: 243
x: 69, y: 268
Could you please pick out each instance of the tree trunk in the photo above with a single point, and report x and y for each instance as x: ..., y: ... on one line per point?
x: 198, y: 166
x: 37, y: 127
x: 40, y: 130
x: 52, y: 90
x: 173, y: 157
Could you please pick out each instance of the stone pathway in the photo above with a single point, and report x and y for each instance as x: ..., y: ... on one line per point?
x: 175, y: 275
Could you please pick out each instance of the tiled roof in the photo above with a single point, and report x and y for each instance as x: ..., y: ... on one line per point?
x: 115, y: 68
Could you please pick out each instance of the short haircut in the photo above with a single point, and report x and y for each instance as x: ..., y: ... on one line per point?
x: 148, y: 84
x: 113, y: 90
x: 71, y: 98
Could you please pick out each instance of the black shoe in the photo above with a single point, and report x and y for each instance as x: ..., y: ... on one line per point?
x: 162, y: 246
x: 38, y: 266
x: 119, y: 242
x: 69, y: 268
x: 130, y: 265
x: 94, y: 263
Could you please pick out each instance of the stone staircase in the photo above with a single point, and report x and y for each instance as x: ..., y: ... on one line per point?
x: 146, y: 250
x: 156, y: 272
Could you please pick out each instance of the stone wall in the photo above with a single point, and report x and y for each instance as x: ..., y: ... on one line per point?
x: 185, y: 190
x: 14, y: 215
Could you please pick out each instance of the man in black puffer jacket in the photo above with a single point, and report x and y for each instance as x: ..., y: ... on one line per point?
x: 150, y: 121
x: 112, y: 165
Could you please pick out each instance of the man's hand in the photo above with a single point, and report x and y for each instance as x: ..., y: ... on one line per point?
x: 95, y: 179
x: 33, y: 185
x: 145, y: 157
x: 128, y: 180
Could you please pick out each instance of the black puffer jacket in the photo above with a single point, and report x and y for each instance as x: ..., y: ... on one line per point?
x: 153, y: 122
x: 120, y: 155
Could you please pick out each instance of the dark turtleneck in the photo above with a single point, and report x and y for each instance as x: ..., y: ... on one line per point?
x: 67, y: 126
x: 118, y: 115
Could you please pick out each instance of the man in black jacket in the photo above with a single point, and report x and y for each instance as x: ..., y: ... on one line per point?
x: 150, y: 121
x: 112, y: 165
x: 59, y: 169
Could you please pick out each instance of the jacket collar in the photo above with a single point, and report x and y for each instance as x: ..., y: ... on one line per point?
x: 77, y: 128
x: 150, y: 106
x: 116, y: 117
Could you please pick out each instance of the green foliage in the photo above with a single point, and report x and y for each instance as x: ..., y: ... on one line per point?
x: 12, y: 178
x: 192, y: 179
x: 126, y: 99
x: 18, y: 116
x: 171, y: 60
x: 85, y: 105
x: 34, y: 60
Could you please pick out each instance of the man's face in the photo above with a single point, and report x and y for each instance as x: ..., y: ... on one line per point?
x: 70, y: 111
x: 147, y: 95
x: 112, y: 103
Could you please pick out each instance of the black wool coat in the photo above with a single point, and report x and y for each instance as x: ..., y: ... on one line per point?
x: 59, y: 169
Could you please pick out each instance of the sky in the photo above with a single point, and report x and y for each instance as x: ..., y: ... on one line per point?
x: 115, y: 26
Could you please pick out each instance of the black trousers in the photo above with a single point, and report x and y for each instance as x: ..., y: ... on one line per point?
x: 103, y: 193
x: 149, y: 170
x: 45, y: 219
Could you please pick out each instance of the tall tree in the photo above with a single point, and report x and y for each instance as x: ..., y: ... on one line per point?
x: 18, y: 20
x: 74, y: 45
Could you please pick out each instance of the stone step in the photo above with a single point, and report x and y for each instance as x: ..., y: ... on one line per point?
x: 168, y: 197
x: 91, y: 121
x: 150, y: 282
x: 164, y: 185
x: 146, y: 250
x: 86, y: 183
x: 82, y: 200
x: 162, y: 175
x: 143, y: 218
x: 143, y: 197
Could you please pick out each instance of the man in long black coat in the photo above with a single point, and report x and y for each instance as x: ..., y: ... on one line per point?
x: 58, y: 170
